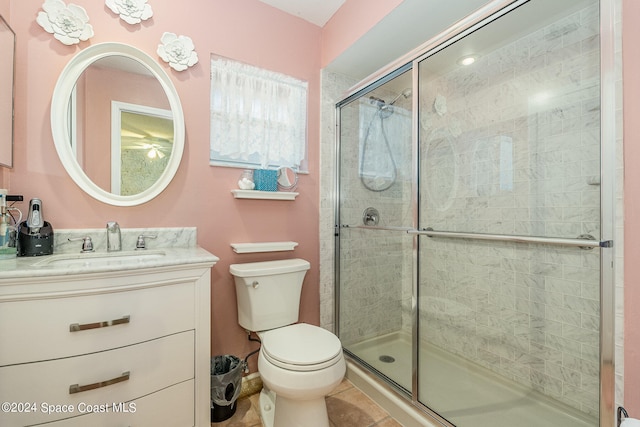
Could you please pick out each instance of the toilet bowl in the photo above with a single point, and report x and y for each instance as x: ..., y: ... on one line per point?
x: 299, y: 363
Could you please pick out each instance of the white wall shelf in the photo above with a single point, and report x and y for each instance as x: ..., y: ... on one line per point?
x: 250, y: 248
x: 265, y: 195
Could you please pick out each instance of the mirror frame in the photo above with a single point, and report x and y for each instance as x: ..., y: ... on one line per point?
x: 60, y: 123
x: 10, y: 136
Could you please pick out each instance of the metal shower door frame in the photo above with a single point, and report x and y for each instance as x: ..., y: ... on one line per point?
x: 481, y: 17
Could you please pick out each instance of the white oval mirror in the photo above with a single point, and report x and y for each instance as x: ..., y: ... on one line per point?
x: 113, y: 101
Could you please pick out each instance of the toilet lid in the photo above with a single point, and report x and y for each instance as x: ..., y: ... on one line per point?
x: 301, y: 347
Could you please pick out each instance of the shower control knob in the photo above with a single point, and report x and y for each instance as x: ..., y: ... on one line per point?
x: 370, y: 217
x: 255, y: 284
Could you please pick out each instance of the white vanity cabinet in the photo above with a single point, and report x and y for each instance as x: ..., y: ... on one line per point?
x: 117, y: 347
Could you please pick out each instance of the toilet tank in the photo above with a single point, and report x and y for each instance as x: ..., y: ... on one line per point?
x: 268, y: 292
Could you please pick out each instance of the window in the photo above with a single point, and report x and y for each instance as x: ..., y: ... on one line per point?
x: 258, y: 117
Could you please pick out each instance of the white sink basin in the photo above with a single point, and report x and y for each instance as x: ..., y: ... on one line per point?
x: 100, y: 258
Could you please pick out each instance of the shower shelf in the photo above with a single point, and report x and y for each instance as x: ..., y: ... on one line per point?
x: 265, y: 195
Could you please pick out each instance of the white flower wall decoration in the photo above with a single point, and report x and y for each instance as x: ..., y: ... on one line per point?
x: 68, y: 24
x: 178, y: 51
x: 130, y: 11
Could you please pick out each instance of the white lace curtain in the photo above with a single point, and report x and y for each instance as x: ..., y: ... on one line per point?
x: 258, y: 117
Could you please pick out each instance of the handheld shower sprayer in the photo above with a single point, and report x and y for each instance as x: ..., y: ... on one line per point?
x: 377, y: 101
x: 381, y: 103
x: 405, y: 94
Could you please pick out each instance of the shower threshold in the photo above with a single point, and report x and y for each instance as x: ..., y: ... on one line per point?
x: 463, y: 392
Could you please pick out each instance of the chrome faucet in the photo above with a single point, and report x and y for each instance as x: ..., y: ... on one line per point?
x: 87, y: 244
x: 141, y: 242
x: 114, y: 240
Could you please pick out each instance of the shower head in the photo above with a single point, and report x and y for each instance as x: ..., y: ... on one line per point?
x: 377, y: 101
x: 405, y: 94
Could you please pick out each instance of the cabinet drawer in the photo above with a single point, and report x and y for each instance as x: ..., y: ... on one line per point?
x: 42, y: 329
x: 169, y: 407
x: 150, y: 367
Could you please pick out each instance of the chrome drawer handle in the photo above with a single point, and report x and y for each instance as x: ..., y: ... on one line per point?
x: 75, y: 327
x: 75, y: 388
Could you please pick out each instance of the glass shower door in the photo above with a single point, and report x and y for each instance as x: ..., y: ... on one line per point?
x: 373, y: 247
x: 509, y: 304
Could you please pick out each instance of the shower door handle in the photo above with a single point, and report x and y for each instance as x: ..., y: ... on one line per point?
x: 583, y: 241
x: 376, y: 227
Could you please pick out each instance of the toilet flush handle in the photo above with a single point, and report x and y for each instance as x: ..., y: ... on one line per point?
x: 255, y: 284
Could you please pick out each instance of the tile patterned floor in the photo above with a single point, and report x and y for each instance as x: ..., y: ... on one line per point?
x: 347, y: 407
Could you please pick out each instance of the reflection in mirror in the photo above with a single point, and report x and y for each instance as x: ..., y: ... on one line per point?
x: 287, y: 179
x: 113, y: 101
x: 141, y: 143
x: 7, y: 67
x: 134, y: 94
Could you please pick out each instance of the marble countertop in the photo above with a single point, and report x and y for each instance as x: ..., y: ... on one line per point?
x: 173, y: 246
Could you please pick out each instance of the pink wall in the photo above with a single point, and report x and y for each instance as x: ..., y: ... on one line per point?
x: 245, y: 30
x: 631, y: 81
x: 351, y: 22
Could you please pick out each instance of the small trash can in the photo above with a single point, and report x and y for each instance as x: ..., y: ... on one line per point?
x: 226, y: 383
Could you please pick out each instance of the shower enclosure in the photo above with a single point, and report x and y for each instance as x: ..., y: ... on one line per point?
x: 474, y: 220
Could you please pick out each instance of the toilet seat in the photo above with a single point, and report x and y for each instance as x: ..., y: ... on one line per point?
x: 301, y: 347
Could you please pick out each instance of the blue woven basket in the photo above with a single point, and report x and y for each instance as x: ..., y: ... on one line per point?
x: 266, y: 179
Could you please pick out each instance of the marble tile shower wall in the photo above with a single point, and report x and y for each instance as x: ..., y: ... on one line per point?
x: 375, y: 271
x: 516, y: 151
x: 333, y: 86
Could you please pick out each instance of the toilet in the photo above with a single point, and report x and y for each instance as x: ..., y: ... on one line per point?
x: 299, y: 363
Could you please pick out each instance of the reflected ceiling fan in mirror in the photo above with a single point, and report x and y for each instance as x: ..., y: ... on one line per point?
x: 142, y: 142
x: 154, y: 151
x: 151, y: 133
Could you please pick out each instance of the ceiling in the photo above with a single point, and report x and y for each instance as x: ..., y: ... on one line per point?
x: 405, y: 28
x: 408, y: 26
x: 315, y: 11
x: 402, y: 35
